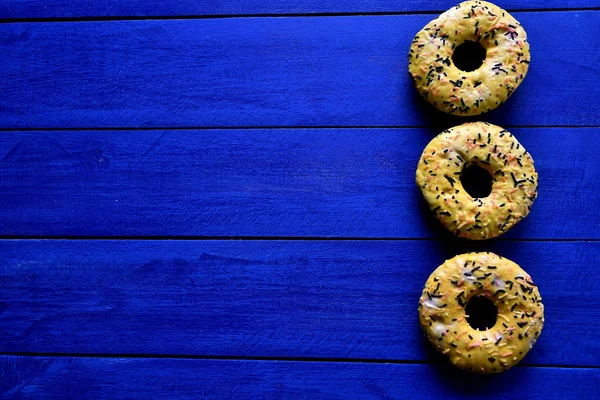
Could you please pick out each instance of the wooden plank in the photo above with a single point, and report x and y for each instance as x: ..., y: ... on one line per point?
x: 300, y: 71
x: 278, y: 182
x: 313, y: 299
x: 20, y: 9
x: 64, y: 377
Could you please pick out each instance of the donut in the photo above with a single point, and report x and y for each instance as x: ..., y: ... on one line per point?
x: 478, y: 26
x: 514, y: 180
x: 519, y: 321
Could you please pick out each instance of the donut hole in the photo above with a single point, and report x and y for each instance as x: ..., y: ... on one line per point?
x: 468, y: 56
x: 481, y: 313
x: 476, y: 181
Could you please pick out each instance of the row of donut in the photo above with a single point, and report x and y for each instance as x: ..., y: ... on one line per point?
x: 499, y: 59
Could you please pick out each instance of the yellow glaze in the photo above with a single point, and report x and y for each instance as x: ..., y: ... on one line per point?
x: 520, y: 312
x: 514, y: 180
x: 469, y: 93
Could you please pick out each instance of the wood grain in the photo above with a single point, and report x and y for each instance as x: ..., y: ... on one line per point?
x: 59, y: 378
x: 273, y: 182
x: 312, y: 299
x: 20, y: 9
x: 154, y: 317
x: 296, y: 71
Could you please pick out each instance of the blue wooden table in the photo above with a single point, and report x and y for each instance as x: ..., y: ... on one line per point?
x: 216, y: 199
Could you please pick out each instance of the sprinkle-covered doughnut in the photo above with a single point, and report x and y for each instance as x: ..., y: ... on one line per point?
x: 443, y: 84
x: 518, y: 324
x: 514, y: 180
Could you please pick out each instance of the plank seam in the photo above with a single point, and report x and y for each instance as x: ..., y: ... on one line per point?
x: 275, y: 238
x: 266, y: 15
x: 282, y: 127
x: 258, y: 358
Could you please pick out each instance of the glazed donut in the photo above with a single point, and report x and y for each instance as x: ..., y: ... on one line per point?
x: 514, y: 180
x: 518, y: 324
x: 503, y: 44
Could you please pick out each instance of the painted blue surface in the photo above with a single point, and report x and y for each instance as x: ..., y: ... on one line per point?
x: 201, y: 257
x: 55, y: 378
x: 266, y: 182
x: 264, y: 298
x: 291, y: 71
x: 22, y: 9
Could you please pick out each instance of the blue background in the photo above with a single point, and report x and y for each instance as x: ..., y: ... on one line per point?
x: 217, y: 200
